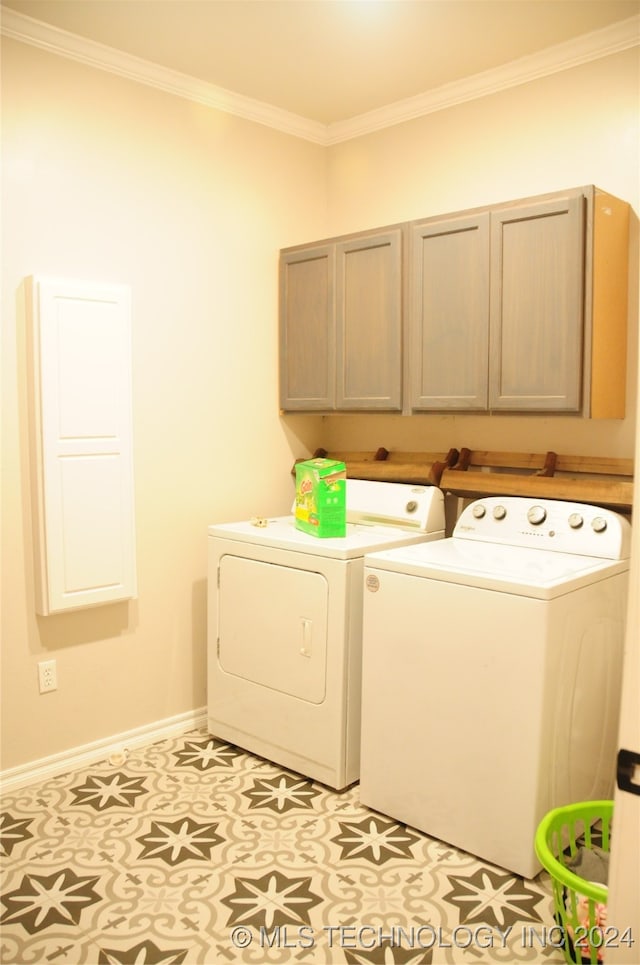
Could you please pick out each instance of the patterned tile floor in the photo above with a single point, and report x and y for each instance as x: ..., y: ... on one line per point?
x: 192, y: 851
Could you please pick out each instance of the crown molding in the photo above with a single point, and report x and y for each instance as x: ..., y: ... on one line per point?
x: 17, y: 26
x: 591, y: 46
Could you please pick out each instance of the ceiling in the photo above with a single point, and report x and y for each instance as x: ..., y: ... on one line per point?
x: 329, y: 61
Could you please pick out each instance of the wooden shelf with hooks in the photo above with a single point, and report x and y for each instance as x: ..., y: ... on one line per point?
x: 421, y: 468
x: 601, y: 481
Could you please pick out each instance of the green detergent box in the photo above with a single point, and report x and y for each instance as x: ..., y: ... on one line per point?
x: 321, y: 497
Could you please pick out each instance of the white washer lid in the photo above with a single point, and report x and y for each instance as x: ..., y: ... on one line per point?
x: 281, y: 533
x: 509, y: 569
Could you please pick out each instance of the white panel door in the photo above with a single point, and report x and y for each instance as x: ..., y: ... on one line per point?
x: 82, y: 444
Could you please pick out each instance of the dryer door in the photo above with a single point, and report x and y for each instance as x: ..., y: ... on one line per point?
x: 272, y: 626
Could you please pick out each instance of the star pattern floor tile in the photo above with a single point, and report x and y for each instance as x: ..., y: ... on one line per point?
x: 192, y: 851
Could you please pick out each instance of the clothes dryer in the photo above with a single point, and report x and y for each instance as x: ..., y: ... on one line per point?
x: 285, y: 627
x: 492, y: 673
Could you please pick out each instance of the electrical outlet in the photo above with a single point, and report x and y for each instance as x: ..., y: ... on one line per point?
x: 47, y: 676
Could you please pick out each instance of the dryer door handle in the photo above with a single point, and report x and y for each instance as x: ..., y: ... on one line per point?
x: 307, y: 626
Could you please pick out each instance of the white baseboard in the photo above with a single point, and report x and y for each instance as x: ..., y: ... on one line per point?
x: 78, y: 757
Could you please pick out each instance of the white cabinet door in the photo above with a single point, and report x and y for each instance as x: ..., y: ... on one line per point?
x: 82, y: 444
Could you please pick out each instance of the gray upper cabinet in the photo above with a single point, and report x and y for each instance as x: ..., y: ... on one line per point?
x: 307, y: 328
x: 518, y: 307
x: 449, y: 313
x: 496, y: 309
x: 341, y: 324
x: 536, y: 308
x: 521, y: 307
x: 369, y: 322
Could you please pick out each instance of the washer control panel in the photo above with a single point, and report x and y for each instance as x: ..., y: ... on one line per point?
x: 548, y: 524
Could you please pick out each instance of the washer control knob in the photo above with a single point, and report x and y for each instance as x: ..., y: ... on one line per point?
x: 499, y: 512
x: 575, y: 521
x: 479, y: 511
x: 411, y: 506
x: 536, y: 515
x: 599, y: 524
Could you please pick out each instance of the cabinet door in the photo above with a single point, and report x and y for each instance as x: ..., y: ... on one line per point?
x: 369, y: 322
x: 82, y: 443
x: 449, y: 313
x: 307, y: 331
x: 537, y: 258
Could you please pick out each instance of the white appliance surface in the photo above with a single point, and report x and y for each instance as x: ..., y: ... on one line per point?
x: 285, y: 627
x: 378, y: 514
x: 510, y: 569
x: 281, y: 533
x: 492, y: 672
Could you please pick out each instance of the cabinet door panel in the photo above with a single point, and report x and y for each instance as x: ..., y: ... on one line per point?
x: 82, y: 443
x: 369, y: 322
x: 449, y: 313
x: 537, y: 306
x: 307, y: 339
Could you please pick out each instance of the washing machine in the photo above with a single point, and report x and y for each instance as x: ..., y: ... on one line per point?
x: 492, y: 665
x: 285, y: 627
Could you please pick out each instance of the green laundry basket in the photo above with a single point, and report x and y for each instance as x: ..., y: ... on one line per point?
x: 580, y: 905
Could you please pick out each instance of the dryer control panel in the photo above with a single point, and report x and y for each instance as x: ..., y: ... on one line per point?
x: 550, y: 524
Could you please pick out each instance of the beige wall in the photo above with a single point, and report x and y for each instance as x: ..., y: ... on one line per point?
x: 105, y: 179
x: 110, y: 180
x: 581, y: 126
